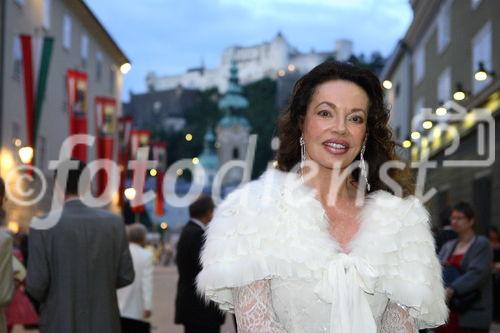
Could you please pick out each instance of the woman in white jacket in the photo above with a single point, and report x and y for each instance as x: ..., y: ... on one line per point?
x: 332, y: 241
x: 136, y: 300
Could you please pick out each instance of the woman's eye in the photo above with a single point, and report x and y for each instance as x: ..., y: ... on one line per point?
x: 323, y: 113
x: 357, y: 119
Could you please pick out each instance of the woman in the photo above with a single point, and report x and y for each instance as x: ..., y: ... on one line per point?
x: 494, y: 237
x: 469, y: 292
x: 20, y: 311
x: 296, y: 252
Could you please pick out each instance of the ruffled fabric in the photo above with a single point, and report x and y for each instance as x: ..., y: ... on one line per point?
x: 275, y: 227
x: 397, y: 241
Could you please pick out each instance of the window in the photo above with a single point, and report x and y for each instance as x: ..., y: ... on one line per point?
x: 65, y: 94
x: 481, y: 52
x: 236, y: 153
x: 16, y: 130
x: 397, y: 90
x: 482, y: 199
x: 17, y: 56
x: 443, y: 26
x: 84, y: 49
x: 419, y: 106
x: 98, y: 65
x: 111, y: 81
x: 444, y: 86
x: 46, y: 13
x: 419, y: 63
x: 474, y: 4
x: 67, y: 32
x: 42, y: 152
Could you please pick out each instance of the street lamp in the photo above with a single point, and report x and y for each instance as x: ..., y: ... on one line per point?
x: 130, y: 193
x: 26, y: 154
x: 189, y: 137
x: 441, y: 111
x: 459, y: 94
x: 427, y: 124
x: 415, y: 135
x: 387, y: 84
x: 153, y: 172
x: 125, y: 68
x: 482, y: 73
x: 406, y: 144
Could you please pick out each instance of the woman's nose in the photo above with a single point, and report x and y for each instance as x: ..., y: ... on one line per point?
x: 338, y: 125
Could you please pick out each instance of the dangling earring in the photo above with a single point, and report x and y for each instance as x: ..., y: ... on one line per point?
x: 363, y: 165
x: 302, y: 154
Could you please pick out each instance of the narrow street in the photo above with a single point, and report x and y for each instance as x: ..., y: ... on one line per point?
x: 164, y: 297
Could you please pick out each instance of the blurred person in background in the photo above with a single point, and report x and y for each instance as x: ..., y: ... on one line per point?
x: 20, y: 311
x: 467, y: 275
x: 6, y: 269
x: 191, y: 310
x: 136, y: 300
x: 494, y: 237
x: 445, y: 233
x: 75, y: 267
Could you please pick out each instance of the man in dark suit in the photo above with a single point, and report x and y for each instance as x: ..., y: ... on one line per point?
x: 191, y: 310
x: 75, y: 267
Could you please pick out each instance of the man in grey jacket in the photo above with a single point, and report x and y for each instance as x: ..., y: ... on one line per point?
x: 6, y: 274
x: 75, y: 267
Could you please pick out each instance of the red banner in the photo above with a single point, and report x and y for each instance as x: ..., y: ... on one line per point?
x: 105, y: 111
x: 28, y: 87
x: 160, y: 199
x: 160, y: 154
x: 77, y: 108
x: 124, y: 129
x: 138, y: 139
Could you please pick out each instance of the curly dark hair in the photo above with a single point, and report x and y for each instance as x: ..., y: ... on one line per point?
x: 380, y: 146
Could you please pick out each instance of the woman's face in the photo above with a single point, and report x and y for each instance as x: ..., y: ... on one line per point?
x: 335, y: 123
x: 459, y: 222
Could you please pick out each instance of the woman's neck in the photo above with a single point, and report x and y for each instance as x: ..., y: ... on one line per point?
x: 466, y: 236
x: 331, y: 187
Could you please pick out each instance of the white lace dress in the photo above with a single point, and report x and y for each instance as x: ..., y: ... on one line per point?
x: 270, y: 258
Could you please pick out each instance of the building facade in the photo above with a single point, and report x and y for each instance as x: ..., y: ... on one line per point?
x: 442, y: 83
x: 82, y: 68
x: 267, y: 60
x: 163, y: 110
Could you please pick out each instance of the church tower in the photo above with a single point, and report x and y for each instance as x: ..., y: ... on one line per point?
x: 233, y: 129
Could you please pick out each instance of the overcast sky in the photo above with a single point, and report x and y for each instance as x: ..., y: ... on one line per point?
x: 170, y: 36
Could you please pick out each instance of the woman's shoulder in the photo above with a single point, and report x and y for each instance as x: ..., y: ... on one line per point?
x: 397, y: 213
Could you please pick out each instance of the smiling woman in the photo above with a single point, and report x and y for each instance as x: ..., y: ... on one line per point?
x: 341, y: 103
x: 285, y: 258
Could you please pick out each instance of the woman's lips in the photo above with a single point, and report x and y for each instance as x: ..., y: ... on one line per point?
x: 335, y: 148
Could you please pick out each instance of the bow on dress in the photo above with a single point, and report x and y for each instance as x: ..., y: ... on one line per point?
x: 344, y: 284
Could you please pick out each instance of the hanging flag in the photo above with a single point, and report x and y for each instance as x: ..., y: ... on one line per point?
x: 41, y: 88
x: 28, y: 86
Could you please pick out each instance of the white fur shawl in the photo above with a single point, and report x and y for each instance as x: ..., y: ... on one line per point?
x: 274, y: 226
